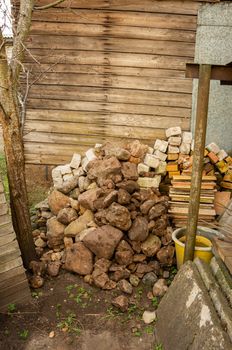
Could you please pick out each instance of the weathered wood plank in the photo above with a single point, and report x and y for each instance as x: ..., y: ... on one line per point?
x: 7, y: 238
x: 9, y: 256
x: 169, y: 6
x: 10, y: 264
x: 11, y: 275
x: 121, y: 82
x: 50, y: 159
x: 42, y: 70
x: 170, y: 48
x: 56, y: 56
x: 6, y: 228
x: 152, y: 20
x: 15, y: 294
x: 20, y: 277
x: 91, y: 106
x: 157, y: 102
x: 148, y: 33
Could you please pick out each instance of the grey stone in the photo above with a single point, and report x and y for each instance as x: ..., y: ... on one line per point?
x: 188, y: 306
x: 149, y: 279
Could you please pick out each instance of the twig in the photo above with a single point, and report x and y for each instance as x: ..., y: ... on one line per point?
x: 45, y: 7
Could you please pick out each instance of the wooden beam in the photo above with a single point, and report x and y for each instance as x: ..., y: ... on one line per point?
x: 223, y: 73
x: 198, y: 156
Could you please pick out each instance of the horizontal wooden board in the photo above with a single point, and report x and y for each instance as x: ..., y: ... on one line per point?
x: 129, y: 101
x: 96, y: 30
x: 11, y: 274
x: 86, y: 129
x: 169, y: 6
x: 10, y: 264
x: 111, y: 119
x: 38, y: 72
x: 121, y: 82
x: 135, y: 19
x: 50, y: 159
x: 108, y: 44
x: 56, y: 56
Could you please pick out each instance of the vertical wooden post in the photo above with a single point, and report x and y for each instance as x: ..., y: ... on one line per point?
x: 198, y: 156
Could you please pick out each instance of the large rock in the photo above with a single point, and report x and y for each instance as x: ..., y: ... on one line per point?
x: 151, y: 246
x: 110, y: 198
x: 129, y: 171
x: 55, y: 233
x: 79, y: 259
x: 118, y: 216
x: 125, y: 287
x: 157, y: 210
x: 103, y: 241
x: 79, y: 225
x: 67, y: 215
x: 103, y: 169
x: 121, y: 302
x: 57, y: 201
x: 188, y: 301
x: 139, y: 229
x: 87, y: 199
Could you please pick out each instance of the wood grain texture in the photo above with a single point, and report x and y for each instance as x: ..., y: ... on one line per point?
x: 106, y: 70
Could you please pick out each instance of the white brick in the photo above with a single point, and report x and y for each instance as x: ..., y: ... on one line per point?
x: 173, y: 131
x: 174, y: 140
x: 187, y: 137
x: 160, y: 155
x: 76, y: 161
x: 84, y: 163
x: 185, y: 148
x: 150, y: 150
x: 65, y: 169
x: 151, y: 161
x: 149, y: 181
x: 213, y: 147
x: 222, y: 154
x: 173, y: 149
x: 56, y: 173
x: 161, y: 168
x: 143, y: 168
x: 90, y: 154
x: 161, y: 145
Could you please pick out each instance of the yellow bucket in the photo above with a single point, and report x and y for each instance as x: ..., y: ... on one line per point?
x: 203, y: 248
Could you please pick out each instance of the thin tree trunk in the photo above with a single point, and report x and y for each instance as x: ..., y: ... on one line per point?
x: 10, y: 119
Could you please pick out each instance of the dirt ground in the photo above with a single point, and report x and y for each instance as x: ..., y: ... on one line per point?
x: 78, y: 316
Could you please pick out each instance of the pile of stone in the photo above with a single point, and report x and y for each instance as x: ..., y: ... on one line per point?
x: 106, y: 220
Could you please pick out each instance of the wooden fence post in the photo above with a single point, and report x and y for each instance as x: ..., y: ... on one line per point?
x: 198, y: 156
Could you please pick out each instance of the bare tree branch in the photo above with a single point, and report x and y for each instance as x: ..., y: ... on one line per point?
x: 45, y: 7
x: 22, y: 31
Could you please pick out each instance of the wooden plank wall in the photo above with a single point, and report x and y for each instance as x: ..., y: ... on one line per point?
x: 14, y: 286
x: 105, y: 70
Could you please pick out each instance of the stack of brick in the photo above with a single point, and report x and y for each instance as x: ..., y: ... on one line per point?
x: 180, y: 193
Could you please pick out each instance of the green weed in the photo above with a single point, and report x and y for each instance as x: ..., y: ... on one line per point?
x: 70, y: 324
x: 155, y: 301
x: 158, y: 347
x: 11, y: 308
x: 24, y: 334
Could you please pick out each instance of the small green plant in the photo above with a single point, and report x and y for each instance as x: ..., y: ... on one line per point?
x: 138, y: 334
x: 36, y: 294
x: 158, y: 347
x: 78, y: 294
x: 24, y: 334
x: 11, y: 308
x: 70, y: 324
x: 155, y: 301
x: 58, y: 310
x: 149, y: 329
